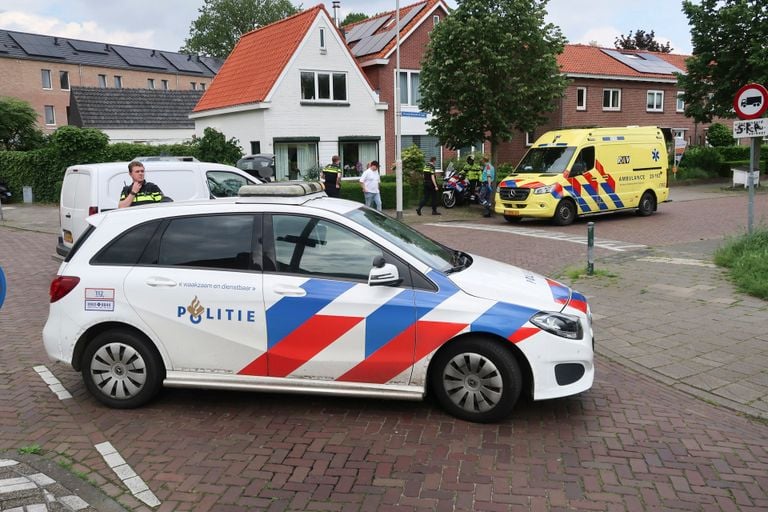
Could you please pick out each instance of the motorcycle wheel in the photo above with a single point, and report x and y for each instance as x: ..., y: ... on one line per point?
x: 449, y: 198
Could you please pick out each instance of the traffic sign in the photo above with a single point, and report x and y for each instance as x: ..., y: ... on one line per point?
x: 750, y: 128
x: 751, y: 101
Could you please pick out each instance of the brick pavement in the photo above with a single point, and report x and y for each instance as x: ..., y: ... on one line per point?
x: 630, y: 443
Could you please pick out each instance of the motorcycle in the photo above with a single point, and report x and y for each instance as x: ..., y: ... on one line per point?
x: 456, y: 189
x: 5, y: 192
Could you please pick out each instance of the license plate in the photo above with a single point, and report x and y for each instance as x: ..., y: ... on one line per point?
x: 512, y: 213
x: 68, y: 236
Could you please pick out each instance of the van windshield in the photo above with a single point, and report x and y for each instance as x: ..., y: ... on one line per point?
x: 546, y: 160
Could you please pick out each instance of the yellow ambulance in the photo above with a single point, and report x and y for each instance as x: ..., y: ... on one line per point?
x: 587, y: 171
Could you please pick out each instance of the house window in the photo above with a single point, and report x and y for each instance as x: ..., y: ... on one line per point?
x: 118, y: 82
x: 102, y: 81
x: 46, y: 76
x: 680, y: 105
x: 202, y: 86
x: 655, y: 101
x: 164, y: 83
x: 428, y: 145
x: 50, y: 115
x: 435, y: 19
x: 611, y: 99
x: 530, y: 138
x: 581, y: 98
x: 255, y: 147
x: 409, y: 88
x: 193, y: 85
x: 150, y: 83
x: 64, y: 80
x: 295, y: 160
x: 323, y: 86
x: 355, y: 156
x: 322, y: 39
x: 679, y: 133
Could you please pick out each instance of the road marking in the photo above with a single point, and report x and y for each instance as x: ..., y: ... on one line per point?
x: 611, y: 245
x: 53, y: 383
x: 135, y: 484
x: 678, y: 261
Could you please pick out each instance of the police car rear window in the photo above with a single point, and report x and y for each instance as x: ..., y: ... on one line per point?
x: 127, y: 248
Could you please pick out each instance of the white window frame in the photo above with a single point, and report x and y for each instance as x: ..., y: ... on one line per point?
x: 679, y: 102
x: 409, y: 87
x: 611, y: 107
x: 322, y: 38
x: 63, y: 74
x: 102, y: 81
x: 202, y: 86
x: 164, y: 83
x: 46, y: 74
x: 435, y: 20
x: 530, y: 138
x: 118, y: 82
x: 151, y: 84
x: 584, y: 105
x: 330, y: 75
x: 193, y: 85
x: 52, y: 110
x: 658, y: 101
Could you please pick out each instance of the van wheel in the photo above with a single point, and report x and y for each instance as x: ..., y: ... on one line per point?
x: 121, y: 370
x: 647, y: 204
x: 476, y: 380
x: 512, y: 220
x: 565, y: 213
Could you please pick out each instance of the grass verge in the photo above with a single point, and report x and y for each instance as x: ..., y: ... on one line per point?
x: 746, y: 258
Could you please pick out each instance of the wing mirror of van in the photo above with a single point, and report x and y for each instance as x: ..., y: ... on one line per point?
x: 383, y: 274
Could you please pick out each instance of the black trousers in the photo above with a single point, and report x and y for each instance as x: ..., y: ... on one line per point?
x: 431, y: 194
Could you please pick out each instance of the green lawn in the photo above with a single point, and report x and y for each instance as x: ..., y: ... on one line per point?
x: 746, y: 257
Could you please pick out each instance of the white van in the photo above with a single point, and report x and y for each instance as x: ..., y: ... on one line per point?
x: 92, y: 188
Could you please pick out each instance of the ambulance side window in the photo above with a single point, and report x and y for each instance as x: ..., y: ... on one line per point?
x: 585, y: 161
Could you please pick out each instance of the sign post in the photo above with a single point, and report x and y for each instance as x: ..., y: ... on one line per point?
x: 750, y: 103
x: 680, y: 145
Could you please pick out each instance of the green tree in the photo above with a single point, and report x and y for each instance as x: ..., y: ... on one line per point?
x: 75, y: 145
x: 221, y: 23
x: 18, y: 125
x: 719, y: 135
x: 214, y: 147
x: 490, y: 68
x: 641, y: 40
x: 354, y: 17
x: 729, y: 51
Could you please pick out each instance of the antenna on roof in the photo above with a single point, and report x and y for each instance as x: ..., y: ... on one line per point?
x: 336, y: 6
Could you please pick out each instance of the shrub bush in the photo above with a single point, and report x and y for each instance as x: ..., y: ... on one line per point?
x: 707, y: 159
x: 353, y: 191
x: 719, y: 135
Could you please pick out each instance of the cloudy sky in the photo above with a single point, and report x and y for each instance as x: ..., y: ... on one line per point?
x: 164, y: 24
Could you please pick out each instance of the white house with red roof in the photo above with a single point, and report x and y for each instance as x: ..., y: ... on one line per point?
x: 293, y: 88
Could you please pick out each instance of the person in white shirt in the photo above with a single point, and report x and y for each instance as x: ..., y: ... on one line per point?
x: 370, y: 181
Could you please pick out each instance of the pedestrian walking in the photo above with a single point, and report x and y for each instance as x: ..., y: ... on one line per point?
x: 330, y: 176
x: 370, y: 181
x: 487, y: 179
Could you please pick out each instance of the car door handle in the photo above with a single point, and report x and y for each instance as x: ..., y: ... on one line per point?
x: 69, y: 215
x: 161, y: 281
x: 290, y: 291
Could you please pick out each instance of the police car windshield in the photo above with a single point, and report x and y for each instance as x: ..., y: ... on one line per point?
x: 553, y: 160
x: 419, y: 246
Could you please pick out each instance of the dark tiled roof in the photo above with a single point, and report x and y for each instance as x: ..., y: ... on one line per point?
x: 22, y: 45
x: 92, y: 107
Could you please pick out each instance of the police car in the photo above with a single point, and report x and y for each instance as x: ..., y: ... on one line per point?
x: 285, y: 289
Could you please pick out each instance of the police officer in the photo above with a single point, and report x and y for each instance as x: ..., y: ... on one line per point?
x: 140, y: 191
x: 472, y: 171
x: 430, y: 187
x: 331, y: 177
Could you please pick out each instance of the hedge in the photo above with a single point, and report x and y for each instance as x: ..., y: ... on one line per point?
x: 38, y: 169
x: 353, y: 191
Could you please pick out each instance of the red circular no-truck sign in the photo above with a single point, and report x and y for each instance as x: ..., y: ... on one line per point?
x: 750, y: 101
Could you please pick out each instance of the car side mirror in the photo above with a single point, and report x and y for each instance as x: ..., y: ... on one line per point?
x: 383, y: 274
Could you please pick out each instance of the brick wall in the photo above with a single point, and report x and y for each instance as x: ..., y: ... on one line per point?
x: 22, y: 78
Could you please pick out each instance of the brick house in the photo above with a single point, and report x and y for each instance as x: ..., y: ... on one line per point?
x: 610, y: 87
x: 42, y: 69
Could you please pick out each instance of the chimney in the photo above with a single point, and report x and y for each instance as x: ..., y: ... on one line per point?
x: 56, y: 41
x: 336, y: 6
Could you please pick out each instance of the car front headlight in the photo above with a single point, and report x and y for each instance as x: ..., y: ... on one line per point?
x: 543, y: 190
x: 559, y: 324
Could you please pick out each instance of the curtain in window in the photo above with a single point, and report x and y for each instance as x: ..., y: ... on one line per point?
x: 306, y: 157
x: 368, y: 151
x: 281, y: 161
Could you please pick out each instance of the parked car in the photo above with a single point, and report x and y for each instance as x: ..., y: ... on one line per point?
x: 289, y: 290
x: 261, y: 165
x: 5, y: 192
x: 92, y: 188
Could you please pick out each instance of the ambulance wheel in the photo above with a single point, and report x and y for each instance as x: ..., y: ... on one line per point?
x: 512, y: 220
x: 647, y: 204
x: 121, y: 369
x: 565, y: 213
x: 476, y: 380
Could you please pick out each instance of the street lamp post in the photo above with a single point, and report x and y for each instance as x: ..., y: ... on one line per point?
x: 398, y: 149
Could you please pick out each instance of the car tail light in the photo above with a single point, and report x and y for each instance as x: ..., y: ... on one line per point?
x: 61, y: 286
x: 93, y: 210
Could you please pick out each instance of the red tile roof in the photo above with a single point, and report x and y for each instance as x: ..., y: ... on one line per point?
x: 257, y: 60
x: 590, y: 60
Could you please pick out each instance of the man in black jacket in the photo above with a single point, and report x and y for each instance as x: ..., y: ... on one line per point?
x: 139, y: 192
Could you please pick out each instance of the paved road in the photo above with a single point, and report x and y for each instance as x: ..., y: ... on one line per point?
x: 639, y: 440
